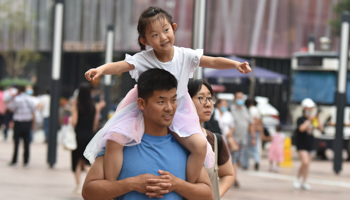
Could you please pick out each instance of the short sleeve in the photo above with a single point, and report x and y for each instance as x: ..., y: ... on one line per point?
x: 135, y: 72
x: 195, y: 60
x: 300, y: 121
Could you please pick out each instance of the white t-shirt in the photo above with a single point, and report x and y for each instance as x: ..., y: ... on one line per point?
x: 225, y: 121
x: 254, y: 112
x: 45, y: 101
x: 185, y: 61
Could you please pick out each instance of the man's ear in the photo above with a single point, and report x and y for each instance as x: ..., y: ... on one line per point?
x: 141, y: 103
x: 143, y: 41
x: 174, y: 27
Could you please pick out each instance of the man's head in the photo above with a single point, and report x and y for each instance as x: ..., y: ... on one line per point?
x: 239, y: 99
x: 157, y: 96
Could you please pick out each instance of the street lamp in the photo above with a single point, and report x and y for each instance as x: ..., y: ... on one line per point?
x: 55, y: 81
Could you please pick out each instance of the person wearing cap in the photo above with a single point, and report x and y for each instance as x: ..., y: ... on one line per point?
x: 305, y: 142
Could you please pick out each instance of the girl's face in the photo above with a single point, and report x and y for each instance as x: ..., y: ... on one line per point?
x: 160, y: 36
x: 203, y: 109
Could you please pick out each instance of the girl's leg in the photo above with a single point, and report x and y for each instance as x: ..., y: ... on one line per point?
x: 113, y: 161
x: 305, y: 162
x: 197, y: 145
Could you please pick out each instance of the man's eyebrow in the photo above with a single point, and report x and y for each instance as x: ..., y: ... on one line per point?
x: 175, y: 96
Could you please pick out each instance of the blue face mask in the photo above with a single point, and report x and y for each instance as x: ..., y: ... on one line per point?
x: 224, y: 109
x: 29, y: 92
x: 240, y: 102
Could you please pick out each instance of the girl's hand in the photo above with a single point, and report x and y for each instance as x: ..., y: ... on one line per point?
x: 92, y: 74
x: 244, y: 68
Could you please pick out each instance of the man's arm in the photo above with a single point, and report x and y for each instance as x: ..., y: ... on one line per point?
x: 201, y: 190
x: 95, y: 187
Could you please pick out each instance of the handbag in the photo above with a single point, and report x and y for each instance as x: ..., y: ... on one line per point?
x: 69, y: 140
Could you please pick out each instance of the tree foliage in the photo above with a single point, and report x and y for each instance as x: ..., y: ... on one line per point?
x: 338, y: 10
x: 13, y: 24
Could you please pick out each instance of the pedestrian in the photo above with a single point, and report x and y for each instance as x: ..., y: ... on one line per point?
x: 276, y: 149
x: 34, y: 96
x: 156, y: 29
x: 2, y: 108
x: 226, y: 123
x: 222, y: 174
x: 24, y: 121
x: 156, y: 167
x: 85, y: 120
x: 251, y: 104
x: 244, y: 125
x: 305, y: 142
x: 45, y: 100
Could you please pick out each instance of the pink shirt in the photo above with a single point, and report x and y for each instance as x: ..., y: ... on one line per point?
x: 2, y: 103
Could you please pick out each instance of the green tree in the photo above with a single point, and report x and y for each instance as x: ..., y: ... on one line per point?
x: 13, y: 23
x: 338, y: 9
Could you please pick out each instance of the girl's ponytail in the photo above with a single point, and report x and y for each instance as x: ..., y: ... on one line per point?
x: 142, y: 46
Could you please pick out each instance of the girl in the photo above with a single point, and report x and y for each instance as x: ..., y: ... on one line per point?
x: 276, y: 150
x: 156, y: 29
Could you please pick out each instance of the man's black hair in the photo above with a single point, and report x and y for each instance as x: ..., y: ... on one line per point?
x: 153, y: 80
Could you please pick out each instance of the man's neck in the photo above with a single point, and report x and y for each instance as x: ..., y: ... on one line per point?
x: 155, y: 130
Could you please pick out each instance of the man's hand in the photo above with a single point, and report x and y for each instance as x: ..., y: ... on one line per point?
x: 163, y: 184
x: 141, y: 182
x: 244, y: 68
x: 93, y: 74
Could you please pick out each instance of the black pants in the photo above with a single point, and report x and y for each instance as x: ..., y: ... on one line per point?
x: 22, y: 130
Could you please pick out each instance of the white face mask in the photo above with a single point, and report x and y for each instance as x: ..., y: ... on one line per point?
x: 308, y: 113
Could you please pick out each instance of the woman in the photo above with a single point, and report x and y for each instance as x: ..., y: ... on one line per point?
x: 305, y: 142
x: 202, y: 97
x: 85, y: 120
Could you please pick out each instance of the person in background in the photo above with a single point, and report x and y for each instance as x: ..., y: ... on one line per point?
x: 45, y: 100
x: 226, y: 123
x: 24, y: 117
x: 2, y: 108
x: 305, y: 142
x: 244, y: 125
x: 259, y: 130
x: 202, y: 97
x: 85, y: 120
x: 276, y: 149
x: 33, y: 93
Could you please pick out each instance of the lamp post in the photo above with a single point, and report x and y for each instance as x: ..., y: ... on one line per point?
x: 55, y: 81
x: 199, y: 30
x: 108, y: 78
x: 341, y: 91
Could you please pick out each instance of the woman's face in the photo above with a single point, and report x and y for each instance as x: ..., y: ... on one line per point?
x: 203, y: 109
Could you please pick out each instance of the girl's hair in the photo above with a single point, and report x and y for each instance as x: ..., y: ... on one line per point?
x: 84, y: 102
x: 279, y: 128
x: 194, y: 86
x: 149, y: 16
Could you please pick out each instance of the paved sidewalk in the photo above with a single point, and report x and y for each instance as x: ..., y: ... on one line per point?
x: 38, y: 181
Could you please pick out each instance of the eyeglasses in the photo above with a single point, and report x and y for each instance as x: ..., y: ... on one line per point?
x: 204, y: 100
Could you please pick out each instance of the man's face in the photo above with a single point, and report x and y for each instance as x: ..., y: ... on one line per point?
x: 239, y: 99
x: 160, y: 108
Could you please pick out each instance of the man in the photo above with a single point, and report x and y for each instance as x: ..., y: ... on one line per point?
x: 23, y: 115
x: 244, y: 125
x: 156, y: 167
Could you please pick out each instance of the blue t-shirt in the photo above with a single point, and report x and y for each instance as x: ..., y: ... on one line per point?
x: 152, y: 154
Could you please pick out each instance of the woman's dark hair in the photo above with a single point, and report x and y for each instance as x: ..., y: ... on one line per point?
x: 148, y: 16
x: 194, y: 86
x: 84, y: 102
x: 250, y: 102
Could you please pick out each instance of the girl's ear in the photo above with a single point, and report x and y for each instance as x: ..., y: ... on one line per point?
x: 143, y: 41
x: 141, y: 103
x: 174, y: 26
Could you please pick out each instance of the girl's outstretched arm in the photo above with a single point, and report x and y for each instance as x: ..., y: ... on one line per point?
x: 108, y: 68
x: 223, y: 63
